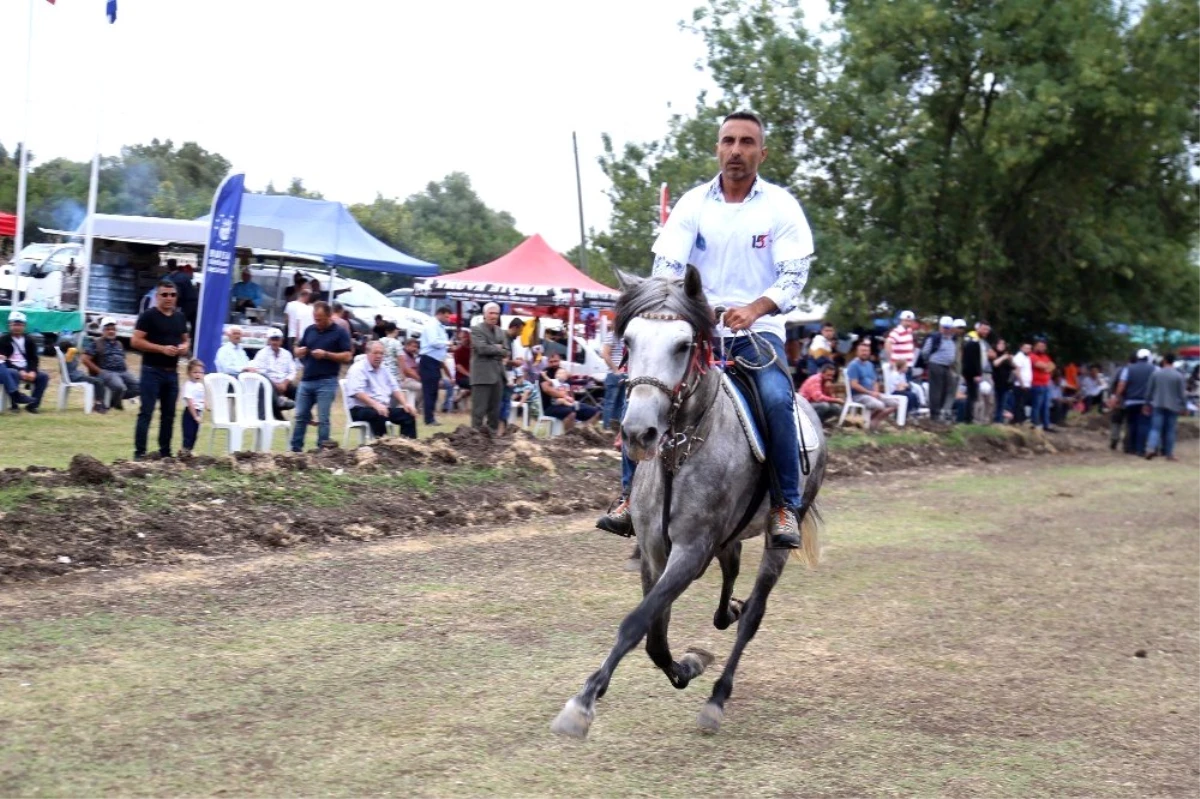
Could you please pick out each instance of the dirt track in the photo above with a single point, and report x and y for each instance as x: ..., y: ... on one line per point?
x: 1013, y: 629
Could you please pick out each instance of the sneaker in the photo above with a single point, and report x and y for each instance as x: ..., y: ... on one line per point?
x: 99, y: 408
x: 783, y: 531
x: 21, y: 399
x: 32, y: 408
x: 286, y: 404
x: 617, y: 521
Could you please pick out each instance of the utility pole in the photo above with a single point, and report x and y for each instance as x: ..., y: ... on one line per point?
x: 579, y: 194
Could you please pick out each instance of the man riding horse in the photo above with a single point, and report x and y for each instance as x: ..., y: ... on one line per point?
x: 752, y: 245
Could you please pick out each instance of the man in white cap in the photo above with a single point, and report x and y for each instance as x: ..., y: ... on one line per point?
x: 276, y: 364
x: 939, y: 353
x: 19, y: 364
x: 104, y: 357
x: 1132, y: 394
x: 899, y: 344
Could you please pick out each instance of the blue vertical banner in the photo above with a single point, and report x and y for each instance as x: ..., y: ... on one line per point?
x: 219, y: 258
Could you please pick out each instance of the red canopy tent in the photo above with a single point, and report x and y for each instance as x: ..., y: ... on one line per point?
x: 531, y: 274
x: 8, y: 224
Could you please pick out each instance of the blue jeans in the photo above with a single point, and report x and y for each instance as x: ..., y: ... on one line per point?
x: 506, y: 403
x: 191, y: 429
x: 1162, y: 432
x: 430, y: 370
x: 12, y: 384
x: 322, y: 391
x: 158, y: 386
x: 614, y: 399
x: 775, y: 390
x: 1137, y: 429
x: 1041, y: 406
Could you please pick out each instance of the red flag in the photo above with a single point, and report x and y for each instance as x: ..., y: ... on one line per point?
x: 664, y: 204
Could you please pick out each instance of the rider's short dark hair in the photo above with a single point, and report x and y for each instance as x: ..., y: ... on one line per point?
x: 748, y: 116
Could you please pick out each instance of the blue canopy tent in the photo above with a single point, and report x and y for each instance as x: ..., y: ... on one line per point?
x: 328, y: 231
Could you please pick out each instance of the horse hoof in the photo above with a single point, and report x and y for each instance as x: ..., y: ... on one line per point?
x: 573, y: 720
x: 700, y: 659
x: 710, y: 718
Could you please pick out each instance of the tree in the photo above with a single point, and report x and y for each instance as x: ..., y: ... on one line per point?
x: 451, y: 217
x: 1027, y: 161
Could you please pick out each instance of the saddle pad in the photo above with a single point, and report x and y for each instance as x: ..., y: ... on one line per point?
x: 805, y: 431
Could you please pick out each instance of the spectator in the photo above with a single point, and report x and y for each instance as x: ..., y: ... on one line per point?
x: 896, y: 384
x: 299, y: 314
x: 322, y: 350
x: 1043, y: 368
x: 314, y: 287
x: 231, y: 357
x: 104, y: 357
x: 379, y: 330
x: 977, y: 369
x: 392, y: 349
x: 193, y: 405
x: 1133, y: 391
x: 817, y: 389
x: 70, y: 285
x: 78, y: 373
x: 489, y: 350
x: 279, y: 367
x: 938, y: 353
x: 899, y: 346
x: 19, y: 364
x: 376, y: 398
x: 555, y: 342
x: 435, y: 346
x: 1002, y: 379
x: 185, y: 290
x: 1116, y: 408
x: 557, y: 400
x: 1022, y: 392
x: 246, y: 293
x: 1060, y: 403
x: 292, y: 292
x: 823, y: 345
x: 161, y: 336
x: 1166, y: 399
x: 339, y: 319
x: 864, y: 387
x: 513, y: 363
x: 410, y: 376
x: 613, y: 353
x: 1092, y: 386
x: 461, y: 354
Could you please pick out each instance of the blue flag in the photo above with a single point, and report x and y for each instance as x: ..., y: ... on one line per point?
x: 219, y: 257
x: 112, y: 11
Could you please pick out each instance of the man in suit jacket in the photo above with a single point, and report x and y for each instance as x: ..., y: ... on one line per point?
x: 489, y: 350
x: 19, y: 364
x: 976, y: 366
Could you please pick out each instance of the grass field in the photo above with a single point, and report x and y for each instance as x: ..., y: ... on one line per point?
x: 974, y: 632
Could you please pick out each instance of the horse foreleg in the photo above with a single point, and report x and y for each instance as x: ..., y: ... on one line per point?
x: 752, y: 614
x: 728, y: 608
x: 690, y: 666
x: 684, y: 566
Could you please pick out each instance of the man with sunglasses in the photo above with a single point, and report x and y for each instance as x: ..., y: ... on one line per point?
x: 161, y: 336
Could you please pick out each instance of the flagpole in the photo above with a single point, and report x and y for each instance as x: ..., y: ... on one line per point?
x: 19, y: 241
x: 579, y: 195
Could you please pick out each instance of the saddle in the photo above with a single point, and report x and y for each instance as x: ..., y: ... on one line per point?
x: 740, y: 388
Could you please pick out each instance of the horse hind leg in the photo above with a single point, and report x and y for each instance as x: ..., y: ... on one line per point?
x: 713, y: 711
x: 728, y: 608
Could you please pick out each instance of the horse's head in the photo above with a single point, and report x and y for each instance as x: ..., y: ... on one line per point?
x: 667, y: 326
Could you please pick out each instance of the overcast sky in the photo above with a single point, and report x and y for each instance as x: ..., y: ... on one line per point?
x: 365, y: 96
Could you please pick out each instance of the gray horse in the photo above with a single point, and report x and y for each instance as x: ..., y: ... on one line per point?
x: 679, y: 414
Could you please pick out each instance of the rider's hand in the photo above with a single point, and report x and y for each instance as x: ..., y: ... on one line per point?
x: 741, y: 318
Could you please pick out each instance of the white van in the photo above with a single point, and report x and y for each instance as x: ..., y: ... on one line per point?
x: 36, y: 275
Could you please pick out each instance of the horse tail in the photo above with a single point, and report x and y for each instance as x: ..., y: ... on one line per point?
x: 810, y: 536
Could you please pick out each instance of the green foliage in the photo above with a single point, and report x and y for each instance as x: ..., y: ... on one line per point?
x: 1026, y: 161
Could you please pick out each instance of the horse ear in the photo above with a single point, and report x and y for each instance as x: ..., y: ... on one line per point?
x: 693, y: 286
x: 627, y: 280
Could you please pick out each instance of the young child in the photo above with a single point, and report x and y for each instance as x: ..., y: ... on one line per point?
x: 193, y: 400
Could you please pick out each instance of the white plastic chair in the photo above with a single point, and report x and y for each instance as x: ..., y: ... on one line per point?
x: 226, y: 415
x: 257, y: 392
x: 364, y: 429
x: 523, y: 409
x: 850, y: 406
x: 65, y: 385
x: 554, y: 427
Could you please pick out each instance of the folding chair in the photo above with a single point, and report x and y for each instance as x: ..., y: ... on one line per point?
x: 65, y: 385
x: 258, y: 394
x: 226, y: 412
x: 364, y: 429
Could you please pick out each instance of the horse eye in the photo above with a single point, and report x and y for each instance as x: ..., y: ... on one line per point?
x: 681, y: 348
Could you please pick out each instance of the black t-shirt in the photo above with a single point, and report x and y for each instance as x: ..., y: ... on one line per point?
x: 165, y: 331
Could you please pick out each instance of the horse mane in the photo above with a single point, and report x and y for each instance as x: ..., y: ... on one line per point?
x: 665, y: 295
